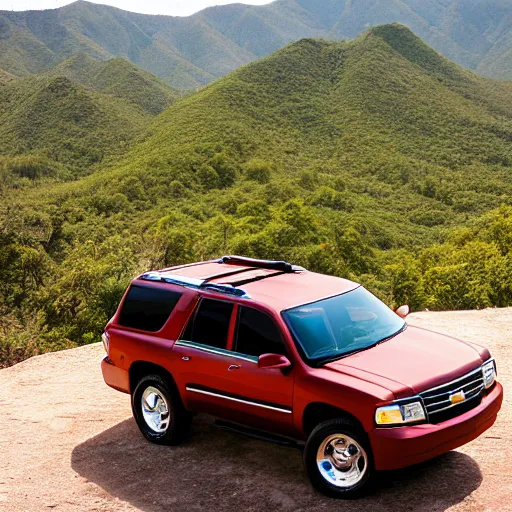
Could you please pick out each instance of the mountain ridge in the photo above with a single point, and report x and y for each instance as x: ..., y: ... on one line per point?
x: 52, y: 122
x: 119, y: 78
x: 191, y: 51
x: 71, y: 119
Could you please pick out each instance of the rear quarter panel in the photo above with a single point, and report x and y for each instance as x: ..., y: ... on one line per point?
x: 128, y: 345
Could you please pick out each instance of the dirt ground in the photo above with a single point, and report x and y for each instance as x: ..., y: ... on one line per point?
x: 68, y: 443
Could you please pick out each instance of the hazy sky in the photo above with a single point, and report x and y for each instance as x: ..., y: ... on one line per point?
x: 171, y: 7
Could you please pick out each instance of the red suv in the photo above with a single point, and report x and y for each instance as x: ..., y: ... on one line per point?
x: 304, y: 356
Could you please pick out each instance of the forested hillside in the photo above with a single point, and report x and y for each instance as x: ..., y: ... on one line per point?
x: 375, y: 159
x: 118, y: 78
x: 57, y: 124
x: 192, y: 51
x: 70, y: 120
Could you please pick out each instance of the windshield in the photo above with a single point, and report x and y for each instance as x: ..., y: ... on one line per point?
x: 331, y: 328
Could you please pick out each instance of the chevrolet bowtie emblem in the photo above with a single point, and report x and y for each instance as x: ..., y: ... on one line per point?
x: 458, y: 397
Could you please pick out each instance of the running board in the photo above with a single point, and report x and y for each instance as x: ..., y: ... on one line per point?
x: 258, y: 434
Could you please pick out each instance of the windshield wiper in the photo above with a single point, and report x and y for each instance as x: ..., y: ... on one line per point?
x: 326, y: 360
x: 392, y: 335
x: 331, y: 359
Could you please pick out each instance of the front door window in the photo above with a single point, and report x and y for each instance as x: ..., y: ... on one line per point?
x: 257, y: 334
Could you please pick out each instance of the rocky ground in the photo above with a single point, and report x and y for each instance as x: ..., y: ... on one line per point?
x: 68, y: 443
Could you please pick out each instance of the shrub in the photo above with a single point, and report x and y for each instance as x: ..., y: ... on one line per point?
x: 226, y: 169
x: 177, y: 189
x: 259, y: 170
x: 330, y: 198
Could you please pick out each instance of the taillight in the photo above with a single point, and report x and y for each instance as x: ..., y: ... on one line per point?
x: 105, y: 338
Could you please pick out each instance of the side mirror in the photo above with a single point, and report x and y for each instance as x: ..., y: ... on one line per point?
x: 402, y: 311
x: 273, y: 361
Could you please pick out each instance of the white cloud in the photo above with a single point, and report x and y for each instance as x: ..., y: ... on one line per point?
x: 170, y: 7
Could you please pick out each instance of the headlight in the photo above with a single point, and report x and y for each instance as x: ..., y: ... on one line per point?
x: 489, y: 373
x: 399, y: 414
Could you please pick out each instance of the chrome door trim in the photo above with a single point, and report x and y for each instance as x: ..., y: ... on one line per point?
x: 239, y: 400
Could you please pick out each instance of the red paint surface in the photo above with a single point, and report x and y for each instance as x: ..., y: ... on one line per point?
x: 411, y: 362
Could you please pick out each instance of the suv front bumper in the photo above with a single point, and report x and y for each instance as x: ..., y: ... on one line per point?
x: 398, y: 447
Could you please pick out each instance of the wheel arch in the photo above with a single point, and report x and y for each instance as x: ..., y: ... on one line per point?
x: 318, y: 412
x: 140, y: 369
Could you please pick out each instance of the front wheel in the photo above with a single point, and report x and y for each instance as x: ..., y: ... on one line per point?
x: 159, y: 412
x: 338, y: 459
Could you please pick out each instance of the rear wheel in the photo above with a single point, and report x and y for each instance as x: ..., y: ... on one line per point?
x: 159, y: 412
x: 338, y: 459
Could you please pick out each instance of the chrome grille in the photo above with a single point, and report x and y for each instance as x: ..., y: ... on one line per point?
x: 437, y: 400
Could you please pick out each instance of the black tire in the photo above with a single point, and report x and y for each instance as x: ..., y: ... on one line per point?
x: 179, y: 418
x: 320, y: 434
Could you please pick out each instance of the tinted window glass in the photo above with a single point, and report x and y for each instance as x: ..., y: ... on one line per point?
x: 328, y: 329
x: 148, y: 308
x: 210, y: 324
x: 257, y: 334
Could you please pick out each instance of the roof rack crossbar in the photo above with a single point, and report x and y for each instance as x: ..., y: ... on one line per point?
x: 282, y: 266
x: 257, y: 278
x: 187, y: 265
x: 226, y: 274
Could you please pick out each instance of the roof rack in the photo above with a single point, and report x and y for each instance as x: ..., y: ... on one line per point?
x: 282, y: 266
x: 191, y: 282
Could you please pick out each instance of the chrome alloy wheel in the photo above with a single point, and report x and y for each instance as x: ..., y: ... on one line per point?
x: 342, y: 461
x: 155, y: 410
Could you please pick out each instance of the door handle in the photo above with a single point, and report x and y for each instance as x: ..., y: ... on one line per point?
x: 234, y: 367
x: 185, y: 358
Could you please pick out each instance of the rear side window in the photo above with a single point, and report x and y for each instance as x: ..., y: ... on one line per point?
x: 210, y: 324
x: 257, y: 334
x: 147, y: 308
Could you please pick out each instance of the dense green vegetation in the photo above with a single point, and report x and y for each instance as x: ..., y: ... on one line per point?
x: 119, y: 78
x: 73, y: 119
x: 54, y: 119
x: 375, y: 159
x: 192, y: 51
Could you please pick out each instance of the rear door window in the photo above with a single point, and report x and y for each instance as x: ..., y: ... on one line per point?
x: 210, y: 323
x: 257, y: 334
x: 147, y: 308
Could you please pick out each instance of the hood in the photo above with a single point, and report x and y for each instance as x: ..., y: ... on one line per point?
x: 413, y: 361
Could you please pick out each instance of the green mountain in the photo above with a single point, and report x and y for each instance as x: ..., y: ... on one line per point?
x: 376, y: 159
x: 386, y: 93
x: 60, y: 123
x: 119, y: 78
x: 192, y: 51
